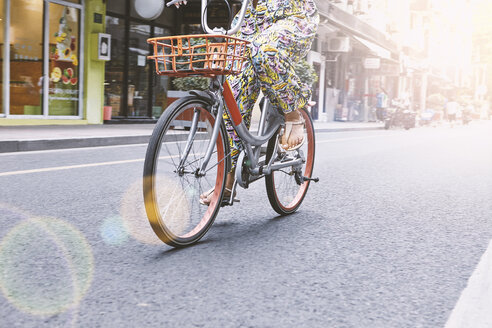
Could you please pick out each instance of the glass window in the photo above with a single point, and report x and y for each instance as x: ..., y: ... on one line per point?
x: 160, y: 82
x: 116, y: 6
x: 166, y: 18
x: 113, y: 84
x: 138, y: 70
x: 64, y: 38
x: 131, y: 97
x: 26, y: 57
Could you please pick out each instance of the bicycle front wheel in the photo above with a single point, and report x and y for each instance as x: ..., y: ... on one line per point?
x: 287, y: 187
x: 172, y: 184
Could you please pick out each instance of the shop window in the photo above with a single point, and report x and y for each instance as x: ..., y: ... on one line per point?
x: 160, y: 83
x: 116, y: 6
x: 131, y: 87
x: 166, y: 18
x: 138, y: 70
x: 63, y: 95
x: 26, y: 57
x: 115, y: 68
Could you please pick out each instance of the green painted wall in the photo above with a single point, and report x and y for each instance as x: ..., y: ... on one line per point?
x: 94, y: 69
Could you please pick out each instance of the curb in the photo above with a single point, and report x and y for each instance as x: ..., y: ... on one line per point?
x: 50, y: 144
x: 9, y: 146
x: 350, y: 129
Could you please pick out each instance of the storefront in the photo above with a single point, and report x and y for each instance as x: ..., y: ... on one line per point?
x: 44, y: 66
x: 27, y: 91
x: 349, y: 85
x: 132, y: 90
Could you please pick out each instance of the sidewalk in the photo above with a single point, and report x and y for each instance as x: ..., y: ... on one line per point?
x: 28, y: 138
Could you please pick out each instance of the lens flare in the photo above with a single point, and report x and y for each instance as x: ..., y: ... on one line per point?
x: 113, y: 231
x: 173, y: 202
x: 46, y: 266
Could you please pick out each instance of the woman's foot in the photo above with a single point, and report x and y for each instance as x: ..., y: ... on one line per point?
x: 293, y: 136
x: 206, y: 197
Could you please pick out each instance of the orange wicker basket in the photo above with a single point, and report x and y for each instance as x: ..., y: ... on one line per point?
x: 200, y: 54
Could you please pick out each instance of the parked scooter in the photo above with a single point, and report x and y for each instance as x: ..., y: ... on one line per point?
x: 399, y: 115
x: 466, y: 116
x: 426, y: 117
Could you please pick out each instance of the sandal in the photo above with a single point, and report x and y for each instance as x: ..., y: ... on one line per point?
x: 287, y: 132
x: 205, y: 198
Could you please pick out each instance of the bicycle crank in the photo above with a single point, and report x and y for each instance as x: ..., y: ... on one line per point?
x: 242, y: 174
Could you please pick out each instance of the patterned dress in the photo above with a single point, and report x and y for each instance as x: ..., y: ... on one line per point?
x: 281, y: 33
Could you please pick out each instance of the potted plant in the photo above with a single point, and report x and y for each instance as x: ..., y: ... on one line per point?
x: 184, y: 84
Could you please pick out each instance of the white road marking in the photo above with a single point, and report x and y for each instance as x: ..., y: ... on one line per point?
x: 69, y: 167
x: 474, y: 307
x: 29, y: 152
x: 33, y: 152
x: 353, y: 138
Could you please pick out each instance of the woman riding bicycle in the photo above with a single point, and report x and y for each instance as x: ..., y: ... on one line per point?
x: 280, y: 33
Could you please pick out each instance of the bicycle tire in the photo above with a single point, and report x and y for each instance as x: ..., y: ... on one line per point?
x: 285, y: 194
x: 172, y: 197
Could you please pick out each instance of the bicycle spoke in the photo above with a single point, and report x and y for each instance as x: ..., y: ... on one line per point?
x: 195, y: 159
x: 169, y: 152
x: 219, y: 161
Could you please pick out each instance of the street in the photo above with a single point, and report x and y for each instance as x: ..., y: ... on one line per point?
x: 389, y: 237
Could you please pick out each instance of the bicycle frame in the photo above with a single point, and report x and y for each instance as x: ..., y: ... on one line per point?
x: 270, y: 122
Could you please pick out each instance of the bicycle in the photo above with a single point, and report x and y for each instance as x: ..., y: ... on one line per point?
x: 188, y: 152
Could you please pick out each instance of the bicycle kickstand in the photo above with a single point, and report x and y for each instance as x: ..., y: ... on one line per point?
x: 231, y: 200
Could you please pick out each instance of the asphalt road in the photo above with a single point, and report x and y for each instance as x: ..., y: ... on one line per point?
x: 387, y: 238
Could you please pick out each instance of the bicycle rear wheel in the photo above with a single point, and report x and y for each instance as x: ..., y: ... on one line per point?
x: 171, y: 184
x: 286, y: 188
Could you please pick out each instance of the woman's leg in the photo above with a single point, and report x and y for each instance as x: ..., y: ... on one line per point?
x: 274, y: 52
x: 246, y: 89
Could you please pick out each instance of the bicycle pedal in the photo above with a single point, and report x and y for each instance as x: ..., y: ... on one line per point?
x: 310, y: 179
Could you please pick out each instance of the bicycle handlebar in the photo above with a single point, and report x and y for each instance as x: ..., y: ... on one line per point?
x: 204, y: 21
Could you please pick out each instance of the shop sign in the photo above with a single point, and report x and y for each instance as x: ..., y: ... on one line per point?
x: 104, y: 46
x: 372, y: 63
x: 390, y: 69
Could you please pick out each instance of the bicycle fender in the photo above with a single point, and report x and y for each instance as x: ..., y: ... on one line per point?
x: 204, y: 95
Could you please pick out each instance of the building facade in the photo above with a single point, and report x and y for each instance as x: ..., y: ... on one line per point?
x: 360, y: 59
x: 51, y: 72
x: 49, y: 75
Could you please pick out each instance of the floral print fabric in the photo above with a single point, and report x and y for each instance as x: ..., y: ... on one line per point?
x: 281, y: 33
